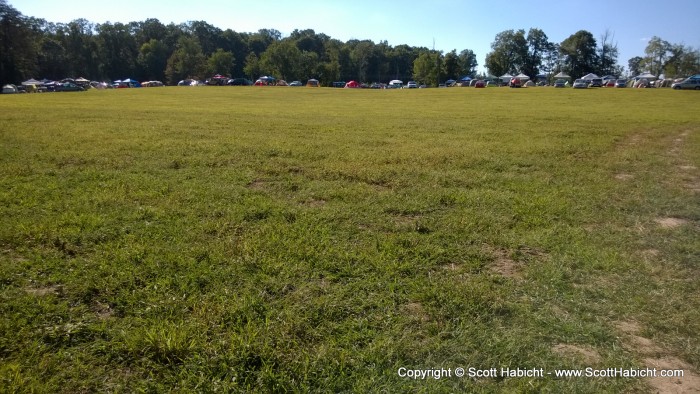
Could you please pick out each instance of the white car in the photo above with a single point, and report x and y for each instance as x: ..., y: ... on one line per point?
x: 580, y: 84
x: 412, y: 85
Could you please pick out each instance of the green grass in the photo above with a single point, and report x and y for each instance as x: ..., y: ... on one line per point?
x: 279, y: 239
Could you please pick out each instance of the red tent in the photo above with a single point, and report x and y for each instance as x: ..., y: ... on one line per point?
x: 352, y: 84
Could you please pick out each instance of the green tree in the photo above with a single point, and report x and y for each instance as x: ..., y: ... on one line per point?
x: 579, y: 52
x: 468, y: 63
x: 607, y: 55
x: 451, y: 65
x: 18, y: 48
x: 683, y: 61
x: 425, y: 68
x: 153, y: 59
x: 538, y: 46
x: 187, y: 61
x: 657, y: 52
x: 221, y: 62
x: 509, y: 54
x: 252, y: 67
x: 117, y: 50
x: 281, y: 59
x: 634, y: 65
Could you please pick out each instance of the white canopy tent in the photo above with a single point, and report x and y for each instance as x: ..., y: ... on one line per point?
x: 590, y: 76
x: 522, y: 77
x: 506, y: 77
x: 647, y: 76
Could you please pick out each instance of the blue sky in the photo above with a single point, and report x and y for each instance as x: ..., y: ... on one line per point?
x: 450, y: 24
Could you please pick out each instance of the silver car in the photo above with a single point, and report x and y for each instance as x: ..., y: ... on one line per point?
x: 580, y: 84
x: 690, y: 83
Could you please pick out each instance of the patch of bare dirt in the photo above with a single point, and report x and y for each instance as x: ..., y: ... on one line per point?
x: 670, y: 222
x: 688, y: 383
x: 258, y: 184
x: 44, y: 291
x: 623, y: 177
x: 657, y: 357
x: 103, y: 311
x: 416, y: 311
x: 315, y: 202
x: 587, y: 355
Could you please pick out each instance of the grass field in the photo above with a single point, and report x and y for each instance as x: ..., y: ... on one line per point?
x: 293, y: 240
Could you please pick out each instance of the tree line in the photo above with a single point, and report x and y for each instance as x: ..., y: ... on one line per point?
x: 513, y: 51
x: 150, y: 50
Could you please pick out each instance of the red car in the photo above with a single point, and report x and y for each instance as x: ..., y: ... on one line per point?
x: 515, y: 83
x: 480, y: 84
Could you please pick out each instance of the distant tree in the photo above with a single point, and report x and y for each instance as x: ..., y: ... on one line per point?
x: 657, y: 52
x: 82, y: 50
x: 365, y: 59
x: 258, y: 42
x: 509, y: 54
x: 221, y: 62
x: 634, y: 65
x: 18, y: 48
x: 117, y: 50
x: 467, y: 63
x: 607, y: 55
x: 400, y: 62
x: 308, y: 66
x: 209, y: 36
x: 451, y: 66
x: 51, y: 59
x: 425, y: 68
x: 153, y: 59
x: 252, y: 67
x: 683, y: 61
x: 150, y: 29
x: 538, y: 46
x: 187, y: 61
x: 552, y: 62
x: 579, y: 52
x: 281, y: 59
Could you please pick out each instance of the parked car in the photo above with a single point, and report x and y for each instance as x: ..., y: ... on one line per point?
x: 596, y: 83
x: 69, y: 87
x: 621, y: 83
x: 560, y: 83
x: 580, y: 84
x: 515, y: 83
x: 338, y: 84
x: 480, y: 84
x: 239, y: 82
x: 412, y: 85
x: 690, y: 83
x: 295, y: 83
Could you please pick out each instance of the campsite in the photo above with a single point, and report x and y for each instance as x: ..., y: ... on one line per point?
x: 269, y: 239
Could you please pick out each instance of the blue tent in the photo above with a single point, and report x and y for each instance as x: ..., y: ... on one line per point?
x: 466, y: 79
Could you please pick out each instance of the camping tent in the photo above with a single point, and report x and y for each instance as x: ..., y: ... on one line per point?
x: 529, y: 84
x: 647, y: 75
x: 352, y: 84
x: 32, y: 81
x: 590, y: 76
